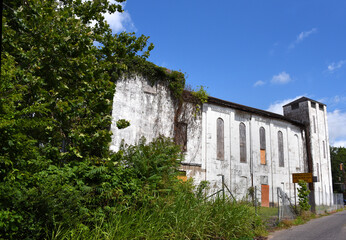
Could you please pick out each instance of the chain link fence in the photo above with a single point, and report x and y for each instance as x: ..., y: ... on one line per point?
x: 286, y: 210
x: 338, y: 203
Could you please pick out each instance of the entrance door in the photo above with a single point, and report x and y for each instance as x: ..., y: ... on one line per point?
x: 265, y: 195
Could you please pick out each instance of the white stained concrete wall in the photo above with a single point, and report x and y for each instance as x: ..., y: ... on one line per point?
x: 237, y: 174
x: 321, y: 154
x: 151, y: 111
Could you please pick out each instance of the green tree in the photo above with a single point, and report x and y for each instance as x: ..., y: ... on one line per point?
x: 303, y: 196
x: 56, y: 93
x: 338, y: 157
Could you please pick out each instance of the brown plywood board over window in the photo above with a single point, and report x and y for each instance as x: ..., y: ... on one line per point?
x: 263, y: 157
x: 265, y: 195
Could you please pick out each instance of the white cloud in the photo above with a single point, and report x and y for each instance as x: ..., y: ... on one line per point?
x: 276, y: 107
x: 259, y: 83
x: 341, y: 143
x: 119, y: 21
x: 337, y: 127
x: 333, y: 66
x: 302, y: 36
x: 281, y: 78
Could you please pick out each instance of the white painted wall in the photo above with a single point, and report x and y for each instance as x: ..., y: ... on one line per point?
x: 238, y: 174
x: 321, y: 155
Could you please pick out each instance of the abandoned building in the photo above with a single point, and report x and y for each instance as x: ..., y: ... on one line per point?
x: 248, y: 146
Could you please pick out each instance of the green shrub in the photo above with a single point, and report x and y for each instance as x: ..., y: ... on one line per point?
x: 79, y: 194
x: 177, y: 215
x: 303, y: 196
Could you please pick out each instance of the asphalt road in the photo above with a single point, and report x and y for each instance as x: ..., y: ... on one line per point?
x: 332, y: 227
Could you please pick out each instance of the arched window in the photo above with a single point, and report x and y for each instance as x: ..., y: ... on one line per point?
x: 220, y: 144
x: 281, y: 149
x: 262, y: 133
x: 242, y: 142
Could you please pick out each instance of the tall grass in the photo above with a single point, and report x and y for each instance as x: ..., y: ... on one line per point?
x: 177, y: 216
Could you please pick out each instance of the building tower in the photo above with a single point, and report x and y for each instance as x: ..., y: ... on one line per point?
x: 313, y: 115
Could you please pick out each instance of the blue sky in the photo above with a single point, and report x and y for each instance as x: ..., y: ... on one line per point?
x: 258, y: 53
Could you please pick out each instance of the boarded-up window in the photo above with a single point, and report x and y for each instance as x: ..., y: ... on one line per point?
x: 324, y: 149
x: 264, y: 195
x: 220, y: 144
x: 181, y: 135
x: 314, y: 123
x: 262, y: 132
x: 242, y: 142
x: 182, y: 176
x: 281, y: 149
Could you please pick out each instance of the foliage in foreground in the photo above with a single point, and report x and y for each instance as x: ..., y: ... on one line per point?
x: 82, y: 193
x: 180, y: 215
x: 56, y: 170
x: 303, y: 196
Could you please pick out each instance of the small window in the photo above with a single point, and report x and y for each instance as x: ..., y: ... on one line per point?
x: 220, y: 144
x: 242, y: 142
x: 321, y: 107
x: 281, y: 149
x: 294, y: 106
x: 263, y: 145
x: 181, y: 135
x: 313, y: 104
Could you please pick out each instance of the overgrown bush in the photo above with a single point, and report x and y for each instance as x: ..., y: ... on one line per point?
x: 303, y: 196
x: 79, y: 194
x: 178, y: 215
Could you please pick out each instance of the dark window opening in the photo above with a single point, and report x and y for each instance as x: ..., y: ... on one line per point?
x: 281, y: 149
x: 321, y: 107
x: 242, y: 142
x: 181, y: 135
x: 220, y: 144
x: 294, y: 106
x: 313, y: 104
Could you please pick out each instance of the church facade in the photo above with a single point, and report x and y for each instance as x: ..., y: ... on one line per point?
x: 249, y: 147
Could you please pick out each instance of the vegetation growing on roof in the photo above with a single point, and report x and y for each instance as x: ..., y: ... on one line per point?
x: 202, y: 97
x: 155, y: 74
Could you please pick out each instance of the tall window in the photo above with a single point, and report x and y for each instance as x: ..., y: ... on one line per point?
x: 314, y: 123
x: 242, y: 142
x: 262, y: 132
x: 181, y: 135
x: 324, y: 149
x: 220, y: 144
x: 281, y: 149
